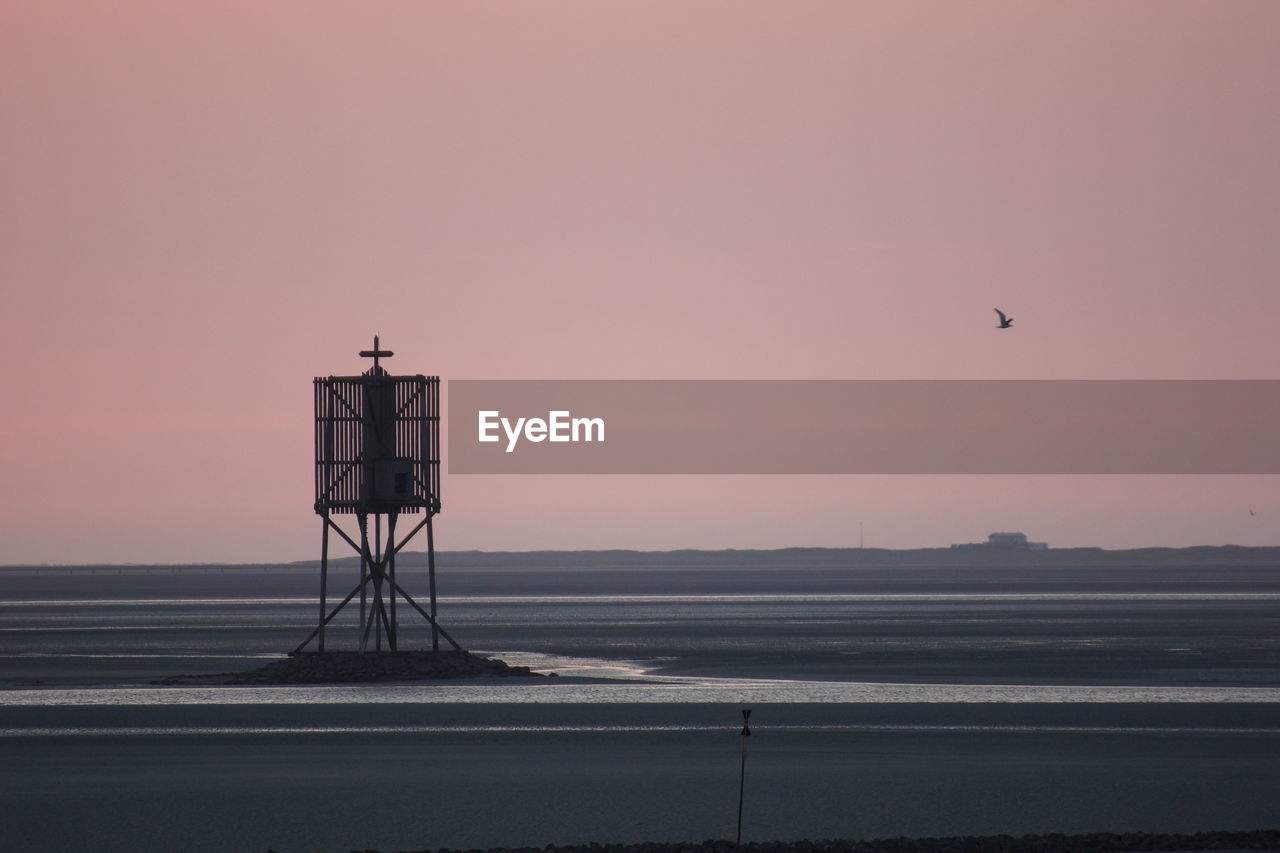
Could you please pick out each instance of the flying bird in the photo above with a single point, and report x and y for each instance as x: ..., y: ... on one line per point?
x: 1005, y: 322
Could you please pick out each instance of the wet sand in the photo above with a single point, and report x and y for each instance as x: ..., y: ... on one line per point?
x: 399, y: 777
x: 462, y: 774
x: 1059, y: 618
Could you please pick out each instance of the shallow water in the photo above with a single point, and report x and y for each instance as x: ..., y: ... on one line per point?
x: 1215, y: 636
x: 886, y: 704
x: 657, y: 690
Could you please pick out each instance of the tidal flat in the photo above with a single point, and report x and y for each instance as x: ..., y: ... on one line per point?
x: 889, y: 699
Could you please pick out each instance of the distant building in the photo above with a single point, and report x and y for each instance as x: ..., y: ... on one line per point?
x: 1006, y: 542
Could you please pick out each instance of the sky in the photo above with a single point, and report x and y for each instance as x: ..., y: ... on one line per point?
x: 206, y: 205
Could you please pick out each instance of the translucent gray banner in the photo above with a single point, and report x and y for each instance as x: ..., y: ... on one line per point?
x: 863, y: 427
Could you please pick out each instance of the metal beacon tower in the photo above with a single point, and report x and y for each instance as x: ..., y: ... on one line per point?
x: 377, y: 457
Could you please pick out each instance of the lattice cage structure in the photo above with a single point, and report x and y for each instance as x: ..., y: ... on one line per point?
x: 377, y: 444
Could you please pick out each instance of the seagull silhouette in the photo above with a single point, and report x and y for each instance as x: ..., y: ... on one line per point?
x: 1005, y: 322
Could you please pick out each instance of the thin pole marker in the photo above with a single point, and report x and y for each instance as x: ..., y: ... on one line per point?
x: 742, y: 777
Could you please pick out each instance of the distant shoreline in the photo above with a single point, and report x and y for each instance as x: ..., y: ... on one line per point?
x: 691, y: 557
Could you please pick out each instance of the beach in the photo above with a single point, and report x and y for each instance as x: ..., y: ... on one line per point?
x: 408, y: 777
x: 638, y: 738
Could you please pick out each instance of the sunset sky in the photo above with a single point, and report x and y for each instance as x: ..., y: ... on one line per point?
x: 206, y: 205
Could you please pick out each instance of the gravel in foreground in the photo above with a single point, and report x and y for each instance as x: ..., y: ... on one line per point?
x: 1098, y: 842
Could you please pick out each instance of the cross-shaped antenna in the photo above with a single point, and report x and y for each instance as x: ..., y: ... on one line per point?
x: 376, y: 354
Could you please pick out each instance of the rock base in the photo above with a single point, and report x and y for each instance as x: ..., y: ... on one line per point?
x: 355, y: 668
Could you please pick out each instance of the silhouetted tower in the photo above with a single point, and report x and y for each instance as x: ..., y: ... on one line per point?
x: 377, y: 457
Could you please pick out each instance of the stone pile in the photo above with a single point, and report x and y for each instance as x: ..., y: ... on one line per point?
x: 348, y: 667
x: 355, y: 668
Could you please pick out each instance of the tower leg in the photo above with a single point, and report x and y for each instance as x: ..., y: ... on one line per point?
x: 324, y: 580
x: 431, y: 581
x: 379, y: 616
x: 366, y: 618
x: 377, y: 568
x: 389, y: 558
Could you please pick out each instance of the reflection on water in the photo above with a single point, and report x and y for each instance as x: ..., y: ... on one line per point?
x: 800, y: 647
x: 578, y: 667
x: 718, y: 598
x: 650, y: 689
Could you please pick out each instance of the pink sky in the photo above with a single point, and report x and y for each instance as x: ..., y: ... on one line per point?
x: 206, y: 205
